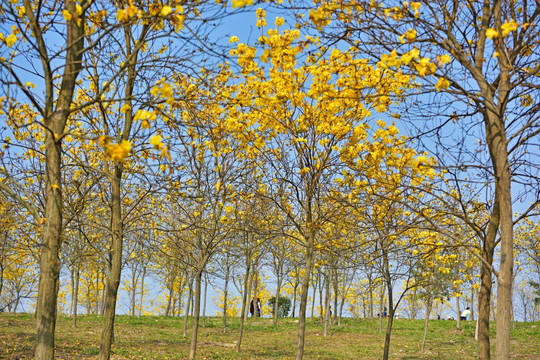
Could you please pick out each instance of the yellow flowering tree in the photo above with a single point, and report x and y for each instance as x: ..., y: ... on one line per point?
x: 304, y: 119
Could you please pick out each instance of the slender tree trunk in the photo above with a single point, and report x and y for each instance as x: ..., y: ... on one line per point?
x: 225, y: 295
x: 1, y: 276
x: 295, y: 287
x: 188, y: 304
x: 381, y: 300
x: 244, y: 307
x: 303, y: 298
x: 497, y: 144
x: 333, y: 319
x: 315, y: 286
x: 76, y: 293
x: 100, y: 306
x: 170, y: 287
x: 387, y: 338
x: 458, y: 313
x: 133, y: 290
x: 55, y: 123
x: 472, y: 303
x: 249, y: 281
x: 388, y: 282
x: 429, y: 304
x: 370, y: 297
x: 113, y: 279
x: 204, y: 299
x: 341, y: 310
x: 484, y: 296
x: 326, y: 312
x: 142, y: 291
x: 276, y: 300
x: 50, y: 248
x: 196, y: 312
x: 322, y: 284
x: 255, y: 284
x: 181, y: 290
x: 504, y: 284
x: 88, y: 297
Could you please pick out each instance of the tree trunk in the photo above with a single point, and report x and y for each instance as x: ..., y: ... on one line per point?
x: 484, y: 295
x: 113, y: 279
x: 429, y: 304
x: 381, y: 300
x: 326, y: 312
x: 390, y: 314
x: 244, y: 306
x: 76, y: 294
x: 322, y: 285
x: 204, y: 299
x: 188, y: 304
x: 458, y: 313
x: 276, y: 300
x: 196, y: 312
x: 225, y: 295
x: 50, y: 248
x: 133, y: 290
x: 142, y: 291
x: 248, y: 292
x: 55, y: 123
x: 315, y: 286
x: 341, y: 310
x: 333, y: 319
x: 387, y: 338
x: 370, y: 284
x: 303, y: 298
x: 294, y: 297
x: 170, y: 287
x: 100, y: 305
x: 1, y: 276
x: 504, y: 284
x: 472, y: 304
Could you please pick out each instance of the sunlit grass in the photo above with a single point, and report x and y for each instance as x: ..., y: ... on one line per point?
x: 161, y: 338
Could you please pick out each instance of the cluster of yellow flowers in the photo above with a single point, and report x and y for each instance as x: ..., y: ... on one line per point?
x: 145, y: 116
x: 156, y: 142
x: 241, y: 3
x: 118, y: 152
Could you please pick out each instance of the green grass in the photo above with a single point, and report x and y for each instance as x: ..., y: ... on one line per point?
x: 161, y: 338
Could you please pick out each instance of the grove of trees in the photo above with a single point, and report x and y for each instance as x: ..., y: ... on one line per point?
x: 350, y: 156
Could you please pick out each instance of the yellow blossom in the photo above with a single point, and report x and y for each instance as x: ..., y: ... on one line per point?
x: 118, y: 152
x: 165, y: 11
x: 121, y: 15
x: 10, y: 40
x: 241, y: 3
x: 445, y: 59
x: 410, y: 35
x: 491, y: 33
x: 442, y: 84
x: 508, y: 27
x: 424, y: 67
x: 416, y: 6
x: 156, y: 141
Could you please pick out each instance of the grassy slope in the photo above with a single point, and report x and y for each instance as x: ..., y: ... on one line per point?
x: 161, y: 338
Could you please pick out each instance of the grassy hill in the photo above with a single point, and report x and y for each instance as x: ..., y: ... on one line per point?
x: 161, y: 338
